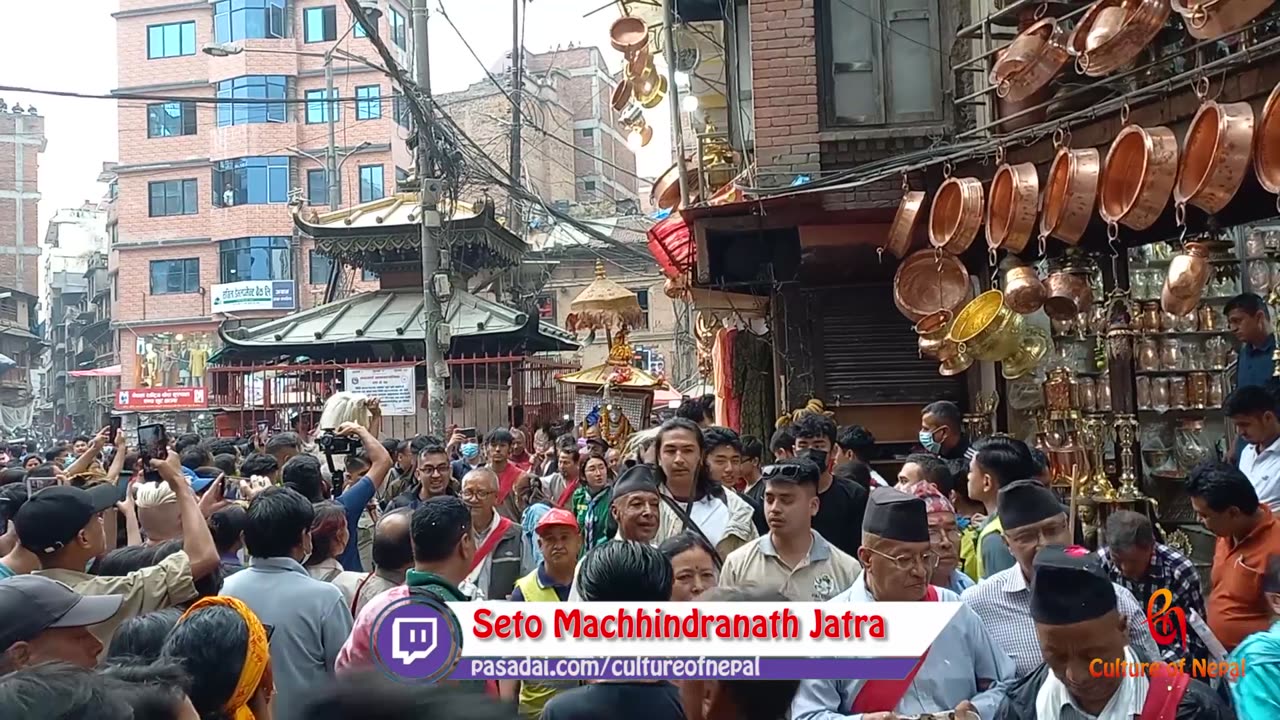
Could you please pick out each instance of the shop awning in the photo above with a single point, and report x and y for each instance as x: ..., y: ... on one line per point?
x: 109, y: 371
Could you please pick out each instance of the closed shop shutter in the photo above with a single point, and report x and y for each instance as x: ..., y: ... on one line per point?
x: 869, y: 351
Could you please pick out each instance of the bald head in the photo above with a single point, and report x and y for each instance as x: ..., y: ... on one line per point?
x: 392, y: 549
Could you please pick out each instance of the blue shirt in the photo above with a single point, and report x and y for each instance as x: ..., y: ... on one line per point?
x: 1257, y: 691
x: 354, y: 500
x: 5, y: 572
x: 1255, y: 365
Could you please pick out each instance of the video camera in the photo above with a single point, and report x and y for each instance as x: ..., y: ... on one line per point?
x: 332, y: 444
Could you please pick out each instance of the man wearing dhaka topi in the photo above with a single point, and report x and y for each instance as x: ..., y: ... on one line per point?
x: 963, y: 670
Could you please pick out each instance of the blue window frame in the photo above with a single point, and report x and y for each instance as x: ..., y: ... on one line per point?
x: 371, y: 184
x: 175, y: 277
x: 255, y: 258
x: 172, y: 197
x: 255, y: 88
x: 235, y: 20
x: 171, y: 40
x: 317, y: 187
x: 320, y: 268
x: 171, y: 119
x: 318, y: 110
x: 250, y: 181
x: 320, y: 24
x: 399, y: 29
x: 368, y: 102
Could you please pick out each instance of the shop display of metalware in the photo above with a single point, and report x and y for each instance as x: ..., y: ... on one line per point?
x: 1068, y: 293
x: 1070, y: 194
x: 1215, y: 18
x: 1109, y: 49
x: 1011, y: 207
x: 1036, y: 106
x: 1184, y: 285
x: 903, y: 230
x: 1023, y: 291
x: 1266, y: 144
x: 1215, y: 155
x: 933, y: 343
x: 928, y: 281
x: 1031, y: 61
x: 1138, y: 177
x: 956, y: 214
x: 987, y: 330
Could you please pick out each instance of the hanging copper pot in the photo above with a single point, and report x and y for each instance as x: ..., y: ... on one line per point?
x: 1215, y: 155
x: 903, y: 230
x: 1023, y: 291
x: 928, y: 281
x: 1138, y: 177
x: 1215, y: 18
x: 1108, y: 52
x: 933, y: 343
x: 1184, y: 285
x: 1011, y: 207
x: 1068, y: 293
x: 1106, y: 25
x: 1070, y: 194
x: 621, y: 95
x: 628, y: 35
x: 1031, y: 61
x: 665, y: 194
x: 1266, y: 144
x: 956, y: 214
x: 1036, y: 106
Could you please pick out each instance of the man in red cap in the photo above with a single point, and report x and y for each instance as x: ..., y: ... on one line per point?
x: 560, y: 540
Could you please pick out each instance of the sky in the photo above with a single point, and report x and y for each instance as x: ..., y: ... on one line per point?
x: 50, y: 53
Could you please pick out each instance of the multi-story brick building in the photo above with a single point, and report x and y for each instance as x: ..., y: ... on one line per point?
x: 21, y: 142
x: 203, y: 219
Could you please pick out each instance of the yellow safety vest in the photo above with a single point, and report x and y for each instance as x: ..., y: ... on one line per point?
x: 993, y: 528
x: 534, y: 695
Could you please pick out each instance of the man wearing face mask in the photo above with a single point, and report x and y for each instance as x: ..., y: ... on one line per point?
x: 941, y: 435
x: 841, y: 502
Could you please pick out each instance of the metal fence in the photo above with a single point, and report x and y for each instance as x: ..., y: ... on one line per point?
x: 482, y: 392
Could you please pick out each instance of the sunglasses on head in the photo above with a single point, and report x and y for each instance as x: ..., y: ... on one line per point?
x: 786, y: 471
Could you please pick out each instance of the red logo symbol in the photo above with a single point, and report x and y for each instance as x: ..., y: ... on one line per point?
x: 1161, y: 622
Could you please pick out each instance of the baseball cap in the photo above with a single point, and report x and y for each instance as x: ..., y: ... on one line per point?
x: 31, y: 604
x: 52, y: 517
x: 556, y: 517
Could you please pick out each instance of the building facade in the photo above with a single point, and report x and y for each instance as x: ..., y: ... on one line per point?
x: 21, y: 142
x: 203, y: 231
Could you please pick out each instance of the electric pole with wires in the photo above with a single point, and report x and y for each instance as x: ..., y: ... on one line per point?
x: 517, y: 110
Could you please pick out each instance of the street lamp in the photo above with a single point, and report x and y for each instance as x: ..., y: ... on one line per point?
x: 364, y: 144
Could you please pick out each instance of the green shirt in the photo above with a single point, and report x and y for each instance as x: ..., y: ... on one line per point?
x: 593, y: 515
x: 435, y: 585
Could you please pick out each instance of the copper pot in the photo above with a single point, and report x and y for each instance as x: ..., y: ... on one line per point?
x: 665, y: 194
x: 621, y: 95
x: 903, y: 230
x: 1106, y: 25
x: 1006, y: 108
x: 1184, y: 285
x: 927, y: 282
x: 956, y: 214
x: 1215, y: 155
x: 1070, y: 194
x: 933, y: 343
x: 1141, y: 168
x: 1215, y: 18
x: 1023, y: 291
x: 1067, y: 294
x: 1011, y: 207
x: 629, y: 35
x: 1266, y: 144
x: 1144, y: 19
x: 1017, y: 76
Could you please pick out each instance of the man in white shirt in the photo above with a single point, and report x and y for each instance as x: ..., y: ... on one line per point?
x: 1253, y: 408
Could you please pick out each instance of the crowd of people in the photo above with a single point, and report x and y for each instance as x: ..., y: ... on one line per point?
x: 240, y: 580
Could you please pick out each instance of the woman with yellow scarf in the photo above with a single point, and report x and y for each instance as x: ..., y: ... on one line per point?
x: 223, y: 646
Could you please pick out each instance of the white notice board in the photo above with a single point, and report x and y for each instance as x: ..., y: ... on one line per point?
x: 393, y: 385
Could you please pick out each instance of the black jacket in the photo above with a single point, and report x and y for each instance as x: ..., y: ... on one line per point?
x: 1198, y: 702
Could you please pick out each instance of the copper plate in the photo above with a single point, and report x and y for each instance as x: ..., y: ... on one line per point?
x: 665, y: 194
x: 927, y: 282
x: 1266, y: 144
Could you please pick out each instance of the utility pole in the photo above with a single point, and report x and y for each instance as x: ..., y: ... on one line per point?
x: 673, y: 97
x: 433, y: 316
x: 331, y: 157
x: 517, y: 112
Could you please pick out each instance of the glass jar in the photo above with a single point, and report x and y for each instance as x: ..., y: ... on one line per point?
x: 1170, y: 354
x: 1186, y: 323
x: 1142, y: 388
x: 1198, y: 390
x: 1189, y: 444
x: 1216, y: 351
x: 1193, y: 355
x: 1149, y: 318
x: 1104, y: 393
x: 1215, y: 391
x: 1256, y: 245
x: 1259, y: 276
x: 1160, y: 394
x: 1168, y: 322
x: 1178, y: 392
x: 1088, y: 395
x: 1148, y: 351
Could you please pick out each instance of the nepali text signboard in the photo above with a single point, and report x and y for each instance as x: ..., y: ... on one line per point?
x: 392, y: 384
x: 253, y: 295
x: 161, y: 399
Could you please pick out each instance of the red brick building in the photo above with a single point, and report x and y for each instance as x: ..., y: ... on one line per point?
x: 21, y: 142
x: 202, y: 215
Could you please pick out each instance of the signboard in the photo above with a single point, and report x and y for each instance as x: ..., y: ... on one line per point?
x: 253, y: 295
x: 160, y: 399
x: 393, y: 385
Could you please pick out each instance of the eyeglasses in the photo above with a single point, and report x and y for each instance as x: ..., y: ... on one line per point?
x: 936, y: 534
x: 907, y: 562
x: 786, y: 471
x: 475, y: 494
x: 434, y: 469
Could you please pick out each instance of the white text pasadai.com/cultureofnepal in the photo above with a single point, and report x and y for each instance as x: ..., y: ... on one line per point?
x: 612, y: 668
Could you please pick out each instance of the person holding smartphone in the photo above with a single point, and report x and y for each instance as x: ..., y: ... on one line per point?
x: 357, y: 496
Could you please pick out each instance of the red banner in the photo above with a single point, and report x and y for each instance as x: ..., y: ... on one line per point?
x: 144, y: 399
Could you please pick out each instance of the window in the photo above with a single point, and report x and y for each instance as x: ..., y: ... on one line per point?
x: 255, y: 88
x: 400, y: 106
x: 368, y: 275
x: 172, y: 40
x: 235, y: 20
x: 881, y: 63
x: 318, y: 110
x: 9, y: 309
x: 399, y: 30
x: 371, y: 185
x: 254, y: 258
x: 175, y: 277
x: 358, y: 30
x: 588, y: 185
x: 586, y: 132
x: 250, y: 181
x: 742, y: 126
x: 642, y: 296
x: 321, y: 269
x: 319, y: 24
x: 368, y: 102
x: 317, y: 187
x: 171, y: 119
x: 172, y: 197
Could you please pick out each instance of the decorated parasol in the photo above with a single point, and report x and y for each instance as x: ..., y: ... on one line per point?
x: 604, y: 305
